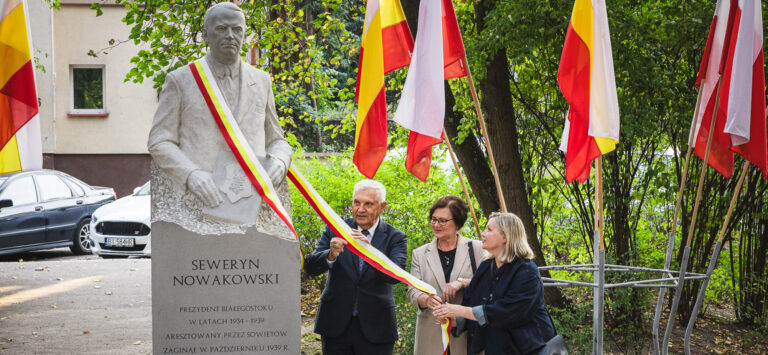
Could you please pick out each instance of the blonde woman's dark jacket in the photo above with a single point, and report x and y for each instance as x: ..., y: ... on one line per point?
x: 512, y: 316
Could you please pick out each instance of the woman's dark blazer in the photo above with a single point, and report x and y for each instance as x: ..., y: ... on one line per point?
x: 517, y: 319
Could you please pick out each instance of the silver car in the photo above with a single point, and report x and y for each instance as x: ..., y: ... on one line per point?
x: 122, y: 228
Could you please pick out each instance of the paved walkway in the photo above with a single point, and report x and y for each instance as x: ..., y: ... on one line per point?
x: 83, y: 306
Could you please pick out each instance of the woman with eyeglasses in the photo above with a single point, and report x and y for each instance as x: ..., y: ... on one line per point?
x: 503, y: 306
x: 447, y: 263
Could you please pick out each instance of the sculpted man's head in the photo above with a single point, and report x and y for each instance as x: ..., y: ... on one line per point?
x: 224, y: 31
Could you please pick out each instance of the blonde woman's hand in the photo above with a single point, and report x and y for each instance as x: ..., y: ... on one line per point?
x: 448, y: 310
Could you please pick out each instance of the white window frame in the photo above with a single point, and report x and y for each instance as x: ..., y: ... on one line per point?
x: 90, y: 111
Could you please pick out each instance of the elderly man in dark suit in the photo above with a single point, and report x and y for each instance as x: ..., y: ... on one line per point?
x: 357, y: 310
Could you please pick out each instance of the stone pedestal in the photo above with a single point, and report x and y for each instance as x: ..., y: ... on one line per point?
x: 228, y: 293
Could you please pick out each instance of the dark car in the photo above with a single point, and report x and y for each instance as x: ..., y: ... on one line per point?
x: 43, y: 209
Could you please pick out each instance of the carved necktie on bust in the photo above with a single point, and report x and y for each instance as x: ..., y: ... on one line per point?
x: 228, y: 86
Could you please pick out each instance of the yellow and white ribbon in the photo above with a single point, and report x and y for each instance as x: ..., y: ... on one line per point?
x: 260, y: 180
x: 237, y: 142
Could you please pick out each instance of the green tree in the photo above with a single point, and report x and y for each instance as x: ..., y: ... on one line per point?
x: 304, y: 45
x: 311, y: 48
x: 514, y: 51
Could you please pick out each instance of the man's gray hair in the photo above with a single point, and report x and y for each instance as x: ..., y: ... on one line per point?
x: 378, y: 188
x: 220, y: 6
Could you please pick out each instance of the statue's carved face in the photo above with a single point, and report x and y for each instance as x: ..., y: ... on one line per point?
x: 225, y: 33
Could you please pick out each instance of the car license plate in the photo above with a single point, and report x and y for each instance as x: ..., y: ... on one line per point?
x: 119, y: 242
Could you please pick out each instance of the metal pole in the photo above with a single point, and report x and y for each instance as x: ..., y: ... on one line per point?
x: 673, y: 230
x: 700, y: 298
x: 676, y: 300
x: 713, y: 260
x: 485, y: 136
x: 597, y: 305
x: 601, y: 298
x: 692, y: 227
x: 461, y: 180
x: 599, y: 278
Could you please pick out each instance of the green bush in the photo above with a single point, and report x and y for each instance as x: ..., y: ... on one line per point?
x: 574, y: 322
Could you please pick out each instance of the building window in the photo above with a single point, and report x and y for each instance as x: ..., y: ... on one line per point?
x: 87, y: 96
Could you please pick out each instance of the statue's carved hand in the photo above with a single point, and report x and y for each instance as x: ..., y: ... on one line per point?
x: 201, y: 184
x: 276, y: 172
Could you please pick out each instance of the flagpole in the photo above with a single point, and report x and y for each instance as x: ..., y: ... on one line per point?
x: 713, y: 260
x: 673, y: 230
x: 687, y: 250
x: 599, y: 256
x: 599, y: 200
x: 485, y: 135
x: 461, y: 180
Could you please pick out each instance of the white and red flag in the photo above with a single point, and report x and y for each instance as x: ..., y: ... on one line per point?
x: 720, y: 157
x: 734, y: 51
x: 438, y: 55
x: 744, y: 81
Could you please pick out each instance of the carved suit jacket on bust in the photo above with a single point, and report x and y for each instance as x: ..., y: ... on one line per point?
x: 184, y: 137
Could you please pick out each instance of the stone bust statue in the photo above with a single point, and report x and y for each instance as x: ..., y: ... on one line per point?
x: 195, y: 177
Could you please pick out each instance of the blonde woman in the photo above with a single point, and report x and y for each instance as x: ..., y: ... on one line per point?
x: 503, y: 306
x: 447, y: 263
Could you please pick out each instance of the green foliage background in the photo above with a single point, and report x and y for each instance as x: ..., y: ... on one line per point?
x: 408, y: 199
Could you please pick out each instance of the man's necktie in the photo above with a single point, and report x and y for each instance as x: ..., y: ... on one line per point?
x: 367, y: 234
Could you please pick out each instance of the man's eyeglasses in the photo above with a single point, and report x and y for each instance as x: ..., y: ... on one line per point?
x: 439, y: 222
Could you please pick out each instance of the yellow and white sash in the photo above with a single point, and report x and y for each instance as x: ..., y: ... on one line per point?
x: 255, y: 172
x: 237, y: 142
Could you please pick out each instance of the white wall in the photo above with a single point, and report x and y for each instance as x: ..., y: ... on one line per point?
x: 40, y: 25
x: 76, y: 30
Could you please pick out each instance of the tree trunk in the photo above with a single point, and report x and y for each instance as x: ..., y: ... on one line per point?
x: 619, y: 187
x: 472, y: 159
x: 502, y: 132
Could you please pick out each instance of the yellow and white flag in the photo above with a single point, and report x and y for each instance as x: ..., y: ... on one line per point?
x: 20, y: 143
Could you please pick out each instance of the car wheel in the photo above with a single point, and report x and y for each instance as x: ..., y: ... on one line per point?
x: 82, y: 240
